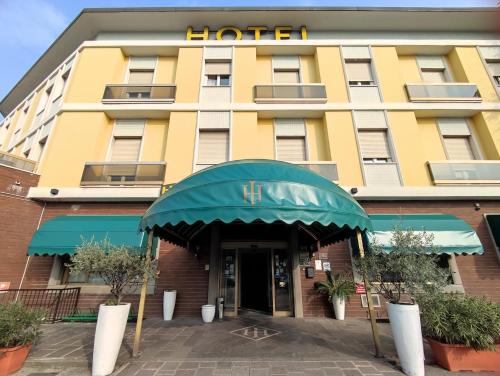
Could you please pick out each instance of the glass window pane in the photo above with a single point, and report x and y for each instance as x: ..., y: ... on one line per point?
x: 211, y: 80
x: 224, y: 80
x: 229, y: 278
x: 281, y: 280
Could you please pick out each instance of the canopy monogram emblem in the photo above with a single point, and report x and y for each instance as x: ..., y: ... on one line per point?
x: 254, y: 193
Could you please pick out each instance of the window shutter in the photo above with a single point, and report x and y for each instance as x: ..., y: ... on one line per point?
x: 374, y: 144
x: 140, y: 77
x: 458, y: 148
x: 125, y: 149
x: 434, y: 75
x: 213, y: 147
x: 290, y: 127
x: 217, y: 67
x: 359, y: 71
x: 286, y: 77
x: 453, y: 127
x: 291, y: 149
x: 370, y: 119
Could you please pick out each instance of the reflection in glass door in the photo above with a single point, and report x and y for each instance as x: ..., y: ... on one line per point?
x: 282, y: 283
x: 229, y: 280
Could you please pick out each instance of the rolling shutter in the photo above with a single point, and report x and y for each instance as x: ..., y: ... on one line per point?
x: 217, y: 68
x: 125, y: 149
x: 359, y: 71
x: 286, y: 77
x: 140, y: 77
x: 291, y: 149
x: 458, y: 148
x: 374, y: 145
x: 213, y: 147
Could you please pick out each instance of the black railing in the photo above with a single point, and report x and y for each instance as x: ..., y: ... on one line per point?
x: 56, y: 303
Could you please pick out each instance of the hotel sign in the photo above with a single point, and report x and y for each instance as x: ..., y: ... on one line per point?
x: 254, y: 32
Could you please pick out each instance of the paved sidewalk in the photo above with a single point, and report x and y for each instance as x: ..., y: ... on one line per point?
x: 249, y: 345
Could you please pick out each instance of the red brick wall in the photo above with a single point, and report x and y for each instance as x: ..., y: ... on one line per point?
x: 480, y: 273
x: 19, y: 217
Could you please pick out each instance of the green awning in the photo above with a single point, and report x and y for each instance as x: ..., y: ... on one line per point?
x: 61, y: 235
x: 255, y: 191
x: 451, y: 234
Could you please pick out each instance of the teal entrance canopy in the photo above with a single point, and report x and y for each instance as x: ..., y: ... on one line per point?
x: 251, y: 191
x: 62, y: 235
x: 451, y: 234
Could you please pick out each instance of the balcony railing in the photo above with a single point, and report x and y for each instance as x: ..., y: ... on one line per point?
x: 123, y: 173
x: 10, y: 160
x: 290, y: 93
x: 443, y: 92
x: 327, y: 169
x: 465, y: 172
x: 139, y: 93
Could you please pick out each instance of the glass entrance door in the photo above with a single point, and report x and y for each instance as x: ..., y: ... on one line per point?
x: 229, y: 288
x: 282, y: 288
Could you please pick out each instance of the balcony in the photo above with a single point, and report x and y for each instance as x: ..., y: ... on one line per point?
x: 10, y: 160
x: 465, y: 172
x: 139, y: 94
x: 290, y: 93
x: 327, y: 169
x: 443, y: 92
x: 123, y: 173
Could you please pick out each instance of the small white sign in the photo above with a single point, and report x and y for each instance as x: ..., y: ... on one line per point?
x: 318, y: 264
x: 326, y: 266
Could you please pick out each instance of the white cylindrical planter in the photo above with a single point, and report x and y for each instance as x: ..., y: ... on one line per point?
x: 208, y: 312
x: 339, y: 307
x: 111, y: 323
x: 169, y: 304
x: 407, y: 334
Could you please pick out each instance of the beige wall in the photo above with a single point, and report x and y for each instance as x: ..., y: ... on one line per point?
x: 93, y: 70
x: 154, y: 140
x: 487, y: 127
x: 343, y: 147
x: 317, y: 144
x: 264, y: 73
x: 331, y: 73
x: 180, y: 146
x: 166, y: 68
x: 245, y: 67
x: 389, y: 74
x: 188, y: 74
x: 76, y: 138
x: 409, y: 69
x: 308, y: 69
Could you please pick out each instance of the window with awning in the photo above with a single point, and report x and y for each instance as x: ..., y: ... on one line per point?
x: 63, y: 234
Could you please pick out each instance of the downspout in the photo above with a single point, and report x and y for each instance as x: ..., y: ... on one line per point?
x: 29, y: 257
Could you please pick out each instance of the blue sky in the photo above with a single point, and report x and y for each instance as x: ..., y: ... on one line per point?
x: 28, y: 27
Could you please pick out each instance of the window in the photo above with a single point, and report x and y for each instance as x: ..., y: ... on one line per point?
x: 217, y: 73
x: 359, y: 72
x: 374, y: 146
x: 432, y: 68
x: 213, y: 138
x: 61, y: 84
x: 491, y: 57
x: 494, y: 67
x: 290, y: 140
x: 127, y: 139
x: 456, y: 138
x: 68, y: 277
x: 141, y: 70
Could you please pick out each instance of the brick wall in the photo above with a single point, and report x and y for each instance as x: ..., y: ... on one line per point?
x: 19, y: 217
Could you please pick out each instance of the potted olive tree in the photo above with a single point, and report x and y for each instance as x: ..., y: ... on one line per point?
x: 19, y: 329
x: 338, y: 289
x: 463, y: 332
x: 399, y: 276
x: 120, y: 268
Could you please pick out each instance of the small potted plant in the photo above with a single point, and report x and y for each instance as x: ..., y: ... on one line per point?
x: 409, y: 269
x: 463, y: 332
x: 120, y: 268
x: 19, y: 330
x: 338, y: 289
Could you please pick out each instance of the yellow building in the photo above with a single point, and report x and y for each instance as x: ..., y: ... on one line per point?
x: 399, y: 107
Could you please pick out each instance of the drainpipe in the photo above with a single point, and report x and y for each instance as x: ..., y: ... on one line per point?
x: 29, y: 257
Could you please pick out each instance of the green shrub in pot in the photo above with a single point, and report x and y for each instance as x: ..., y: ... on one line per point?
x: 461, y: 320
x: 19, y: 325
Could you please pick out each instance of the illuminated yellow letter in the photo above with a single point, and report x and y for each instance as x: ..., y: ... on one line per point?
x: 190, y: 35
x: 257, y: 30
x: 282, y: 32
x: 235, y: 30
x: 303, y: 32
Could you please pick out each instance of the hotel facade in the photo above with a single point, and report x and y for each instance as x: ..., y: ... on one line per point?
x: 398, y: 107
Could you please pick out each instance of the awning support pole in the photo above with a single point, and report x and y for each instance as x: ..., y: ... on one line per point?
x: 142, y: 301
x: 371, y: 312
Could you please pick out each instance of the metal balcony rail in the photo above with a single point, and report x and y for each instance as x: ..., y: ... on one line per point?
x: 327, y: 169
x: 465, y: 172
x: 56, y: 303
x: 139, y: 93
x: 443, y: 92
x: 123, y: 173
x: 10, y: 160
x: 290, y: 93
